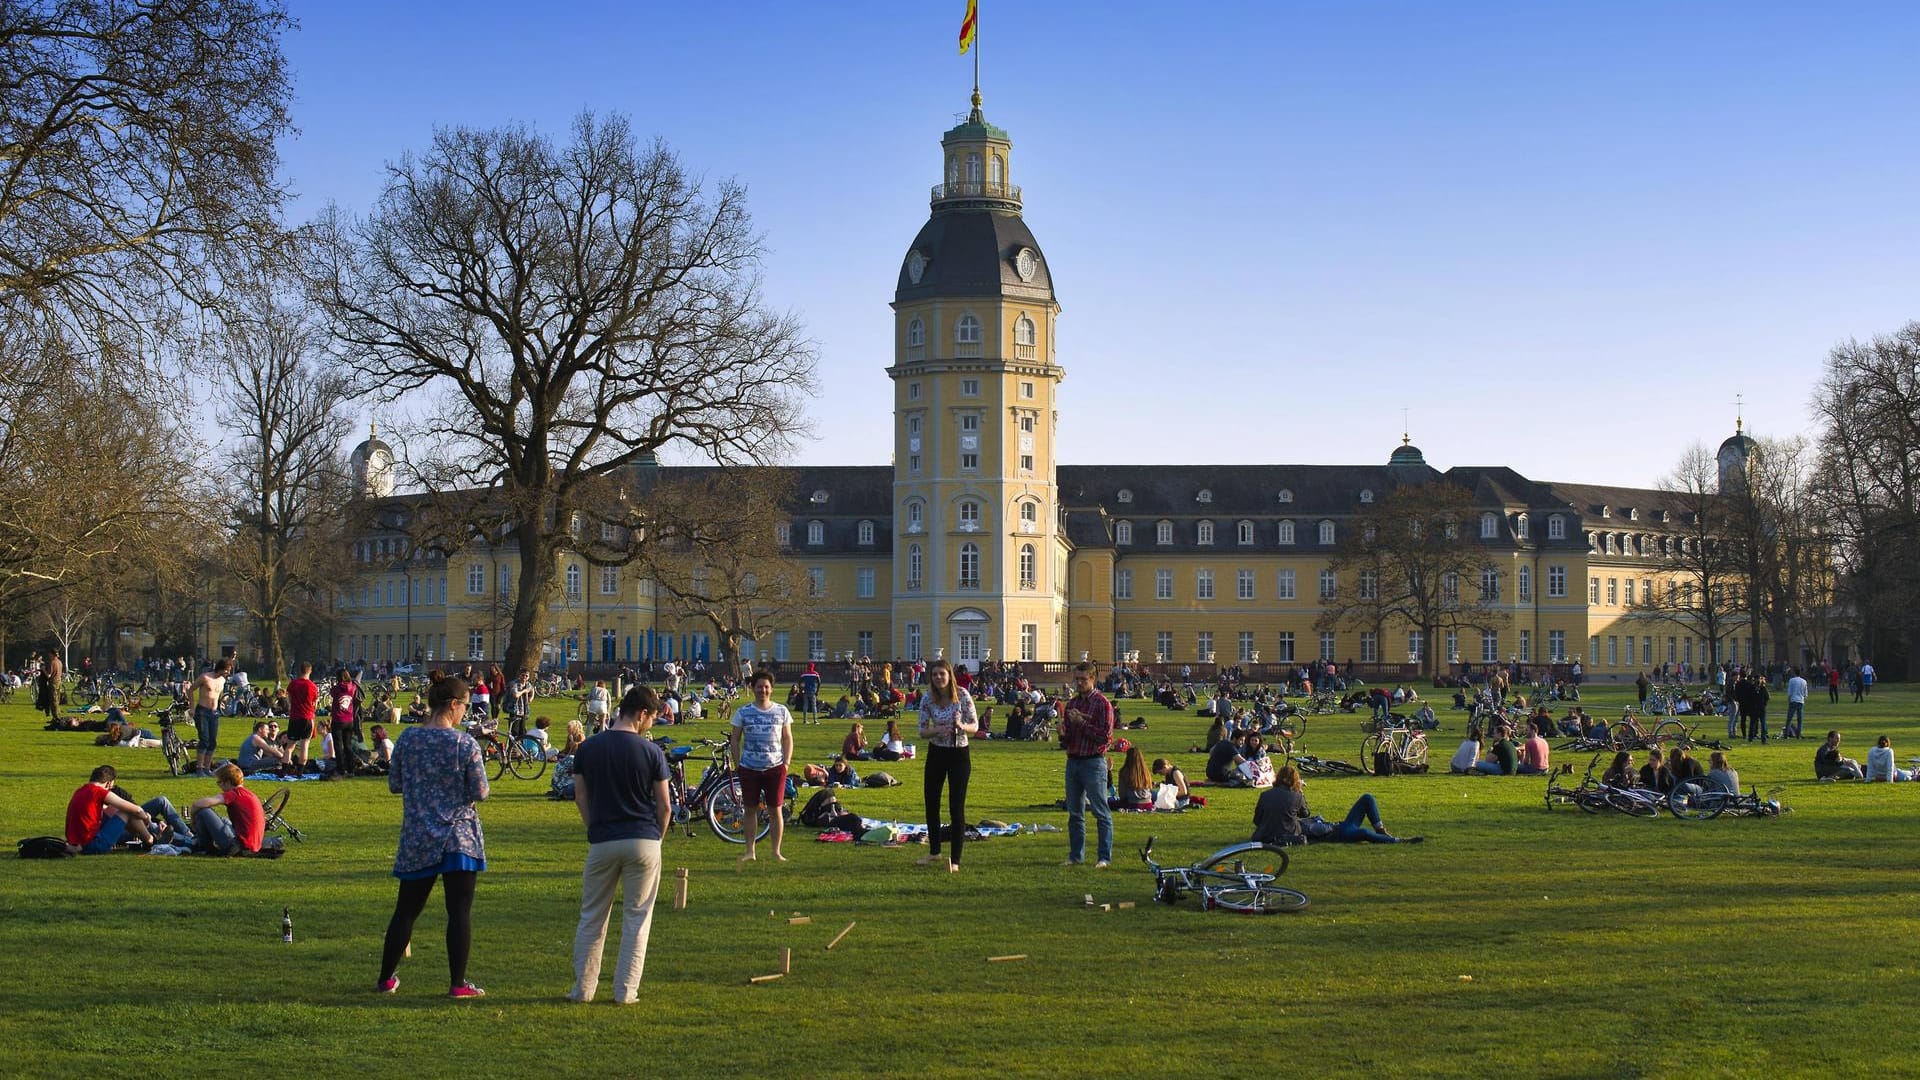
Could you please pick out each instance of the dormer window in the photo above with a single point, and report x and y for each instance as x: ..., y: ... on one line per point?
x: 819, y: 496
x: 1243, y: 532
x: 1366, y: 495
x: 1633, y: 513
x: 1556, y: 527
x: 1326, y: 532
x: 1123, y: 532
x: 1124, y: 496
x: 1489, y: 526
x: 816, y: 533
x: 783, y: 534
x: 1205, y: 496
x: 1286, y: 495
x: 866, y: 532
x: 1205, y: 533
x: 1606, y: 511
x: 1520, y: 527
x: 1286, y: 532
x: 1163, y: 532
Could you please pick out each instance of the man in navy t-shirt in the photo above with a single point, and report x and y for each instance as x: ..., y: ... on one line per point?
x: 620, y: 787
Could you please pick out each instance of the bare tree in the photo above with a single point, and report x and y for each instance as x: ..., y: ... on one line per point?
x: 714, y: 555
x: 1706, y: 589
x: 288, y: 485
x: 1406, y: 560
x: 136, y: 153
x: 568, y: 310
x: 65, y: 616
x: 1868, y: 402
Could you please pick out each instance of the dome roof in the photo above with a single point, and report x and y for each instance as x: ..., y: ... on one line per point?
x: 1740, y: 442
x: 973, y: 252
x: 1406, y: 454
x: 373, y: 442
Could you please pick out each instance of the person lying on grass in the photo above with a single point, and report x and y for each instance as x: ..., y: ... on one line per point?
x: 1281, y: 817
x: 242, y: 829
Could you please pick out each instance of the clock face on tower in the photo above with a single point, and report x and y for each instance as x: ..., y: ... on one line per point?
x: 916, y: 267
x: 1026, y: 264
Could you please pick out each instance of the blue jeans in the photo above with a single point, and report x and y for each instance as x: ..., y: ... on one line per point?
x: 113, y: 829
x: 160, y: 808
x: 1491, y: 768
x: 1366, y: 811
x: 213, y: 832
x: 1796, y: 715
x: 1087, y: 784
x: 206, y: 728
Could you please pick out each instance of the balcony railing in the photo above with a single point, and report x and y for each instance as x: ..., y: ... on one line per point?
x: 976, y: 189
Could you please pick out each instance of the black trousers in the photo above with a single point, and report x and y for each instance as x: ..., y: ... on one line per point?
x: 458, y: 888
x: 950, y: 765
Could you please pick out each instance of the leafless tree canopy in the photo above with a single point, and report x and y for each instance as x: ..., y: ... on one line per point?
x: 1708, y: 590
x: 1406, y: 560
x: 569, y: 309
x: 136, y: 152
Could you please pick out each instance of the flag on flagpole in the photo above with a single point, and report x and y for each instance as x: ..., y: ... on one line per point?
x: 969, y: 25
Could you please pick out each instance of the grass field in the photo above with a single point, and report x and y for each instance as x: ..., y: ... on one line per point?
x: 1596, y: 946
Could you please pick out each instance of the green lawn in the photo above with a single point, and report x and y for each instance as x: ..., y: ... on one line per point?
x: 1596, y: 946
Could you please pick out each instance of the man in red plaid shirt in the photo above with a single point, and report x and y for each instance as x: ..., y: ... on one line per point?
x: 1084, y: 734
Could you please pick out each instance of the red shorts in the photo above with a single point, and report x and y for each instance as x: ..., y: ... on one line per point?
x: 763, y: 787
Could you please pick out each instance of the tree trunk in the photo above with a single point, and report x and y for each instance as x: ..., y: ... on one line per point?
x: 536, y: 578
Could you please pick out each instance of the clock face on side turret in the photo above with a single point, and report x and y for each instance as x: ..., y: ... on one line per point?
x: 916, y: 267
x: 1026, y: 264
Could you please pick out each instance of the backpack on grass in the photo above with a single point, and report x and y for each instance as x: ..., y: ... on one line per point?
x: 821, y: 810
x: 881, y: 779
x: 44, y: 847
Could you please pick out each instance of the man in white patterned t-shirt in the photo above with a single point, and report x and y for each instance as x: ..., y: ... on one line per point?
x: 762, y: 745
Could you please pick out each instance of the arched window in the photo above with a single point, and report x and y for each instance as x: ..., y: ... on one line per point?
x: 916, y: 515
x: 1243, y: 532
x: 783, y: 534
x: 914, y: 566
x: 1521, y: 527
x: 1123, y: 532
x: 996, y: 168
x: 1027, y: 568
x: 969, y: 565
x: 1204, y: 495
x: 1286, y: 495
x: 866, y: 532
x: 973, y: 168
x: 1029, y: 517
x: 1205, y: 535
x: 1326, y: 532
x: 969, y: 516
x: 1163, y: 532
x: 816, y: 533
x: 1556, y: 527
x: 1124, y: 496
x: 1489, y: 526
x: 1286, y: 532
x: 1023, y: 331
x: 916, y: 333
x: 966, y: 336
x: 1366, y: 495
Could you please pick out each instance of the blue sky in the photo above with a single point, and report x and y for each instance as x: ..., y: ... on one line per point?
x: 1563, y: 235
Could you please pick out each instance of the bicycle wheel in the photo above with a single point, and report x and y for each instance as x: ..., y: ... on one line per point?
x: 1257, y: 899
x: 525, y: 764
x: 1633, y: 805
x: 1692, y: 800
x: 271, y: 807
x: 491, y: 755
x: 1671, y: 733
x: 1416, y: 752
x: 1268, y: 859
x: 1590, y: 800
x: 1370, y: 746
x: 727, y: 814
x: 1342, y: 768
x: 175, y: 751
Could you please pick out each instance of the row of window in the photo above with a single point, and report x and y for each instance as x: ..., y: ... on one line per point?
x: 1367, y: 584
x: 1368, y: 644
x: 967, y: 336
x: 1639, y: 544
x: 1285, y: 532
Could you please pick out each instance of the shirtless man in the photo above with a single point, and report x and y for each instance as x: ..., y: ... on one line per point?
x: 205, y: 699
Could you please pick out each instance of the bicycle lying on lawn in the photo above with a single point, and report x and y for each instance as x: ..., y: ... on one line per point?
x: 1308, y: 765
x: 1238, y: 878
x: 1593, y: 795
x: 1697, y: 799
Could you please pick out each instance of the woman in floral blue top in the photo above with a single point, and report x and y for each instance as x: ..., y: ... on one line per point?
x: 437, y: 769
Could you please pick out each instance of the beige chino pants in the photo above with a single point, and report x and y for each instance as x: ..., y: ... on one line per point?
x: 612, y: 865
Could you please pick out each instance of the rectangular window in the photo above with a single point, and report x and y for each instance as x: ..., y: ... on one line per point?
x: 506, y: 580
x: 1526, y: 646
x: 1557, y: 646
x: 1646, y: 651
x: 1163, y: 584
x: 1646, y: 592
x: 1524, y: 583
x: 913, y: 391
x: 1613, y: 651
x: 864, y: 642
x: 816, y: 581
x: 1673, y: 650
x: 1593, y: 590
x: 1026, y: 462
x: 1286, y: 585
x: 1490, y: 646
x: 863, y: 583
x: 782, y: 643
x: 1203, y: 646
x: 1163, y: 646
x: 1329, y: 585
x: 1243, y: 584
x: 1026, y: 391
x: 609, y: 581
x: 1026, y: 423
x: 1286, y: 647
x: 1203, y: 585
x: 816, y: 645
x: 476, y: 644
x: 1369, y: 647
x: 1123, y: 584
x: 1369, y: 585
x: 969, y: 387
x: 1246, y: 646
x: 1122, y: 644
x: 1556, y: 582
x: 969, y: 461
x: 913, y: 464
x: 1029, y: 641
x: 1416, y: 646
x: 1453, y: 646
x: 1326, y: 644
x: 1593, y: 651
x: 476, y: 579
x: 1613, y: 591
x: 969, y: 421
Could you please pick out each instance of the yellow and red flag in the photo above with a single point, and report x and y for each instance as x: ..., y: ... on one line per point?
x: 969, y: 25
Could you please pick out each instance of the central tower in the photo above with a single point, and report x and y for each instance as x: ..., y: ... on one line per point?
x: 979, y: 565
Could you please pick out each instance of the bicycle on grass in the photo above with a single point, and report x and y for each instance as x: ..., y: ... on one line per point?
x: 1593, y: 795
x: 1237, y: 878
x: 717, y: 796
x: 273, y: 812
x: 1630, y: 734
x: 1697, y: 799
x: 1405, y: 747
x: 179, y: 757
x: 1308, y: 765
x: 517, y: 755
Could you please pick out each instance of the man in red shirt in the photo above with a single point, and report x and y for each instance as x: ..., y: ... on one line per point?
x: 245, y: 825
x: 302, y: 695
x: 1085, y: 733
x: 97, y: 819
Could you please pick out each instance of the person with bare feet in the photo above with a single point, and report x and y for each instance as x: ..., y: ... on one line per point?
x: 762, y: 744
x: 947, y: 717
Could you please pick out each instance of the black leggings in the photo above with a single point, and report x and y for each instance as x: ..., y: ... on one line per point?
x: 413, y: 900
x: 952, y: 765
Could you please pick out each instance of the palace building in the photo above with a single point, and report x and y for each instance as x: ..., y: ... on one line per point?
x: 975, y: 544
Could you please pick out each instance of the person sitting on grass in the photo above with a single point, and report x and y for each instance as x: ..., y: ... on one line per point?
x: 841, y: 774
x: 244, y: 827
x: 417, y: 711
x: 381, y: 747
x: 1722, y: 775
x: 1621, y: 773
x: 576, y: 734
x: 891, y: 747
x: 1281, y: 817
x: 1255, y: 768
x: 98, y: 819
x: 539, y: 735
x: 1133, y: 788
x: 1829, y: 765
x: 854, y: 746
x: 1217, y: 731
x: 1169, y: 773
x: 262, y: 750
x: 1534, y: 753
x: 1880, y: 766
x: 1573, y: 725
x: 1656, y: 775
x: 1501, y: 759
x: 1223, y: 761
x: 1467, y: 756
x: 1684, y: 766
